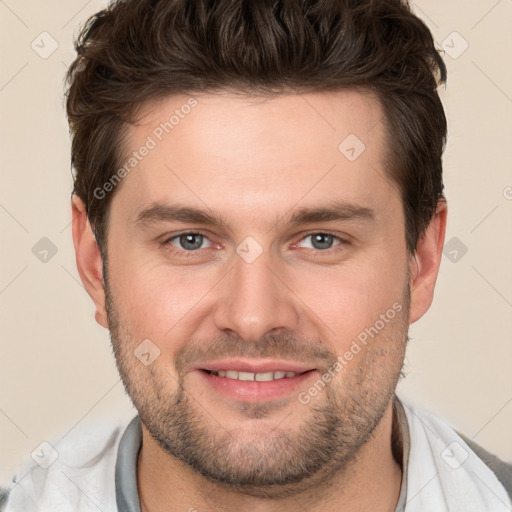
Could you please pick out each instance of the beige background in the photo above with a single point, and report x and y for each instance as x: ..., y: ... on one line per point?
x: 56, y: 368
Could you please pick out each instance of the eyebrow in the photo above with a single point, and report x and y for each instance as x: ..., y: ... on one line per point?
x: 335, y: 211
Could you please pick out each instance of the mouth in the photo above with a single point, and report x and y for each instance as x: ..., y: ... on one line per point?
x: 251, y: 376
x: 256, y: 381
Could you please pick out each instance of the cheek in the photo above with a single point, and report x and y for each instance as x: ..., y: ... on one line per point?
x: 155, y: 300
x: 351, y: 298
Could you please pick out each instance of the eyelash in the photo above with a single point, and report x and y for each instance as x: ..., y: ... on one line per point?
x: 342, y: 242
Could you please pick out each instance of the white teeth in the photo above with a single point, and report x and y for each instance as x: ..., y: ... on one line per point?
x: 264, y: 377
x: 248, y: 376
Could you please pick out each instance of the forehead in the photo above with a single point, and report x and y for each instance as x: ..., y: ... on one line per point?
x: 226, y: 125
x: 254, y: 156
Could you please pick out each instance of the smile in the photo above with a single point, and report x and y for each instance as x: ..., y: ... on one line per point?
x: 249, y: 376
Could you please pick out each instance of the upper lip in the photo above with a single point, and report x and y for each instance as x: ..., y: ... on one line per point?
x: 255, y: 366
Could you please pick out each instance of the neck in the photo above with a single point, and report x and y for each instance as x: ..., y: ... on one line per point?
x: 167, y: 484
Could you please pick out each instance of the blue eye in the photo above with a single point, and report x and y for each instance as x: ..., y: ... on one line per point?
x: 188, y: 241
x: 323, y: 241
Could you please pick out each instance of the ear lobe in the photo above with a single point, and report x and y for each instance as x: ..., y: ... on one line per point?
x: 425, y: 262
x: 88, y: 258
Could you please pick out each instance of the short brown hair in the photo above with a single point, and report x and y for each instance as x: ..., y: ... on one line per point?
x: 140, y: 50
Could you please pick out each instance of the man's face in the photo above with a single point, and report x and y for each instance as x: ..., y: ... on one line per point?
x: 255, y: 292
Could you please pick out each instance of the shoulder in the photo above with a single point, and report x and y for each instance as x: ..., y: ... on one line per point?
x: 502, y: 469
x: 75, y: 473
x: 463, y: 469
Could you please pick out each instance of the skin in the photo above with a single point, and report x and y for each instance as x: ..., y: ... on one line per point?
x: 253, y: 163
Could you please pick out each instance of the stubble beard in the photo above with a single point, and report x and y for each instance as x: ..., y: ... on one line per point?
x: 277, y: 463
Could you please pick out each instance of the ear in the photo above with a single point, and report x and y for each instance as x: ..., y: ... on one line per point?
x: 424, y: 264
x: 88, y: 258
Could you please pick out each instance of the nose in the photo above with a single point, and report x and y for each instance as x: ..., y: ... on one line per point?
x: 255, y: 299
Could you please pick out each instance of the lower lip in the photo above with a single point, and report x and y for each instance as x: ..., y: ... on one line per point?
x: 257, y: 391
